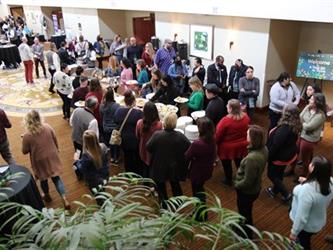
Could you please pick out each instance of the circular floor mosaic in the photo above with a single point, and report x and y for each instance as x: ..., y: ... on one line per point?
x: 17, y: 98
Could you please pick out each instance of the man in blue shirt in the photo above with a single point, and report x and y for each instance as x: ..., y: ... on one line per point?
x: 164, y: 56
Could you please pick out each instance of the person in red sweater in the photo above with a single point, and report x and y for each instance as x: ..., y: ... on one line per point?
x: 231, y: 138
x: 145, y: 128
x: 4, y: 144
x: 95, y: 89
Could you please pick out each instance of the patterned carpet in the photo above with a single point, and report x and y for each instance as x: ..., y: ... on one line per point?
x: 17, y: 98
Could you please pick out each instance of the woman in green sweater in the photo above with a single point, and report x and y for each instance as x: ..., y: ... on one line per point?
x: 248, y: 179
x: 196, y: 100
x: 313, y: 118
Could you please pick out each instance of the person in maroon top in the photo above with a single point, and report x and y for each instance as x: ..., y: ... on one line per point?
x: 80, y: 93
x: 145, y: 128
x: 95, y: 89
x: 202, y: 154
x: 148, y: 55
x: 231, y: 138
x: 4, y: 143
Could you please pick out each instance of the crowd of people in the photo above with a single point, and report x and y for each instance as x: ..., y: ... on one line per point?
x: 154, y: 149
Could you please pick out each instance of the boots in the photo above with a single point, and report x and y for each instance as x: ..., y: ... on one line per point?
x: 66, y: 204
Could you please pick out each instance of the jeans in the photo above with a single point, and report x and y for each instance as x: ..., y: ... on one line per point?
x: 198, y: 191
x: 58, y: 184
x: 5, y: 152
x: 28, y: 68
x: 275, y: 174
x: 51, y: 71
x: 305, y: 239
x: 245, y: 205
x: 227, y: 166
x: 66, y: 105
x: 41, y: 62
x: 274, y: 118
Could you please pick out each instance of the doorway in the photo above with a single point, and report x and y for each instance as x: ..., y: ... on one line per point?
x: 17, y: 11
x: 144, y: 28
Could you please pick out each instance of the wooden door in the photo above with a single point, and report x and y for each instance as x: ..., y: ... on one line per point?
x: 17, y: 11
x: 144, y: 28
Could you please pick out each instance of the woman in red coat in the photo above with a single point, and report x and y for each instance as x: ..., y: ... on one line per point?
x: 231, y: 138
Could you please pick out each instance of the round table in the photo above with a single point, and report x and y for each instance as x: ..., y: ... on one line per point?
x: 10, y: 55
x: 24, y: 191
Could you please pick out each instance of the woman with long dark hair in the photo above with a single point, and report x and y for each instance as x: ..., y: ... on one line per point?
x: 145, y: 128
x: 95, y: 89
x: 108, y: 109
x: 202, y: 154
x: 248, y: 179
x: 310, y: 201
x: 130, y: 143
x: 167, y: 93
x: 282, y: 146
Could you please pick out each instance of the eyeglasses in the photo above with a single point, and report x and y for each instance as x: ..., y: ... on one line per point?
x: 249, y: 72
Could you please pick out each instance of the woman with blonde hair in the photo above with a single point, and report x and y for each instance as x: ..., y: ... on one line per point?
x: 93, y: 164
x: 113, y: 68
x: 231, y: 138
x: 41, y: 143
x: 167, y: 149
x: 196, y: 100
x: 148, y: 55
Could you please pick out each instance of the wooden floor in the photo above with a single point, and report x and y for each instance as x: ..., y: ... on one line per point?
x: 269, y: 214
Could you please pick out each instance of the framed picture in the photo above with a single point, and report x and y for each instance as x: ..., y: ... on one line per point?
x: 201, y: 41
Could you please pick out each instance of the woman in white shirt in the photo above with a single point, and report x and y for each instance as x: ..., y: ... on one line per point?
x: 311, y: 199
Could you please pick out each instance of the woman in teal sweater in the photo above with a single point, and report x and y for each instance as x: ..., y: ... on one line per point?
x: 196, y: 100
x: 141, y: 72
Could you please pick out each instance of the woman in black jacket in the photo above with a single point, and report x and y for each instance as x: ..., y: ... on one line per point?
x: 167, y: 93
x: 167, y: 149
x: 282, y: 147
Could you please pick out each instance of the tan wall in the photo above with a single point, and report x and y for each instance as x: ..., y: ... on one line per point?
x: 316, y: 36
x: 129, y: 20
x: 112, y: 22
x: 282, y: 50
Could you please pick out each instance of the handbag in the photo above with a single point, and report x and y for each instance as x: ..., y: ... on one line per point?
x: 115, y: 138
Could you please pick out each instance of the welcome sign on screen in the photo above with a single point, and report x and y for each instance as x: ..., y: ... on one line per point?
x: 315, y: 65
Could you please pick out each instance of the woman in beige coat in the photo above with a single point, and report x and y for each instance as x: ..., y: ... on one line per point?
x: 41, y: 143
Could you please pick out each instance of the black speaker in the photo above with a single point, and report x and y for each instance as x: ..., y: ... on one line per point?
x: 175, y: 46
x: 182, y: 51
x: 156, y: 42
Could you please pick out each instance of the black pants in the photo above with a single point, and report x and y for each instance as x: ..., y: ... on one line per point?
x: 52, y: 71
x: 274, y: 118
x: 161, y: 190
x: 37, y: 61
x: 66, y: 105
x: 245, y: 205
x: 132, y: 161
x: 100, y: 62
x: 227, y: 166
x: 275, y: 174
x: 305, y: 239
x: 198, y: 191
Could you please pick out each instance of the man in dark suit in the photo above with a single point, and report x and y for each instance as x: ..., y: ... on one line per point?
x: 236, y: 72
x: 63, y: 54
x: 217, y: 74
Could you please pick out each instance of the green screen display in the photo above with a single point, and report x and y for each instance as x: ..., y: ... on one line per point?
x: 315, y: 65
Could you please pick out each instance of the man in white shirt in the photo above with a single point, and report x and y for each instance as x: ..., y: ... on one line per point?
x: 63, y: 85
x: 27, y: 59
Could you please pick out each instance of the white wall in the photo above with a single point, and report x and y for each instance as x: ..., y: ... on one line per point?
x: 33, y: 18
x: 4, y: 10
x: 112, y: 22
x: 88, y: 19
x: 311, y: 10
x: 250, y: 37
